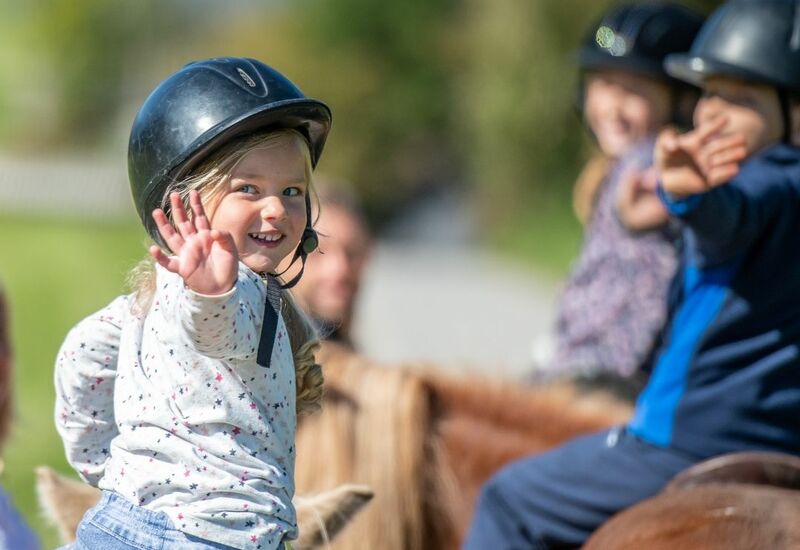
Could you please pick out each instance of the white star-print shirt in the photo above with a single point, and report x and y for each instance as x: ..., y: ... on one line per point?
x: 198, y: 429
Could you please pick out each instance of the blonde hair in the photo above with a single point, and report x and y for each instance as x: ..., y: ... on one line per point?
x: 588, y: 184
x: 211, y: 179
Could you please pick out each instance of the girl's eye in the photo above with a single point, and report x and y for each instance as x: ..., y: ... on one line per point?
x: 246, y: 188
x: 292, y: 191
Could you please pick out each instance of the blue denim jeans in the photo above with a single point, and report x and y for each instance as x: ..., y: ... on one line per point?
x: 114, y: 523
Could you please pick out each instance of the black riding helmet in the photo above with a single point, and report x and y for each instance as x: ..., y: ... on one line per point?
x: 753, y: 40
x: 203, y: 106
x: 637, y: 38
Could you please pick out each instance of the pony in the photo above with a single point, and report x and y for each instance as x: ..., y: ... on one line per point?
x: 425, y: 442
x: 738, y: 501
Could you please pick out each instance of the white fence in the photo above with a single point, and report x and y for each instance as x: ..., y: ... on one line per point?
x: 95, y: 187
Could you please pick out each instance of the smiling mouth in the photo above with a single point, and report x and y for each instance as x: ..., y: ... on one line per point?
x: 267, y: 239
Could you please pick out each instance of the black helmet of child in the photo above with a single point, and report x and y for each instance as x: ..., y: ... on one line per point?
x: 754, y: 40
x: 638, y: 37
x: 203, y: 106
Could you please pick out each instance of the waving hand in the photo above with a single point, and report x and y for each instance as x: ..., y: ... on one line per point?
x: 206, y: 258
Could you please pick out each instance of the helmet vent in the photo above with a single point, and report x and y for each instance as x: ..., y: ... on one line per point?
x: 246, y: 77
x: 610, y: 41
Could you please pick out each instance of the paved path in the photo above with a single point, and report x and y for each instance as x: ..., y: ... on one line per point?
x: 431, y: 294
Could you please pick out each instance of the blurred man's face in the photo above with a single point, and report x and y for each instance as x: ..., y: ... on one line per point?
x: 332, y: 276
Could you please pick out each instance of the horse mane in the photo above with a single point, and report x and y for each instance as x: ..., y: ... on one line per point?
x: 425, y: 442
x: 372, y: 431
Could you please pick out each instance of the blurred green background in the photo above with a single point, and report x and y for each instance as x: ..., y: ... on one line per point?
x: 426, y: 94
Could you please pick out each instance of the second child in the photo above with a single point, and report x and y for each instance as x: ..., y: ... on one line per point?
x: 727, y: 377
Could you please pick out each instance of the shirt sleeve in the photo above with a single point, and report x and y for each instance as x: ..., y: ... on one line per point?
x: 85, y: 372
x: 722, y: 224
x: 223, y: 327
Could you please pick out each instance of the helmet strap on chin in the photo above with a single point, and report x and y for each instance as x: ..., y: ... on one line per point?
x: 298, y: 254
x: 308, y: 243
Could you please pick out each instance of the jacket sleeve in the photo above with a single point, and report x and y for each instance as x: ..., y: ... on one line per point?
x: 722, y: 224
x: 223, y: 327
x: 85, y: 372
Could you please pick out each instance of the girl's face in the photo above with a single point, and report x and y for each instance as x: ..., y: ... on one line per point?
x: 622, y: 109
x: 264, y: 208
x: 751, y: 109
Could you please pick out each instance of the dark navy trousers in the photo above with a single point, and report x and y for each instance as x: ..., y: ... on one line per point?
x: 558, y: 498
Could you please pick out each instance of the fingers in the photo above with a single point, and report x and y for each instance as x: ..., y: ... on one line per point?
x: 171, y: 237
x: 200, y: 219
x: 725, y: 149
x: 668, y: 140
x: 708, y: 130
x: 170, y: 263
x: 721, y: 174
x: 182, y: 223
x: 721, y: 157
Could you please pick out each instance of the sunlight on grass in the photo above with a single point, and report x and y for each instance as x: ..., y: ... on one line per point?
x: 54, y: 273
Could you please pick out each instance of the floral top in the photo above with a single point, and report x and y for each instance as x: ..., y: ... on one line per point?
x: 198, y: 429
x: 614, y: 302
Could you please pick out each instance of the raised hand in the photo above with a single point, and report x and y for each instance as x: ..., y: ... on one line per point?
x: 638, y: 206
x: 698, y: 161
x: 206, y: 258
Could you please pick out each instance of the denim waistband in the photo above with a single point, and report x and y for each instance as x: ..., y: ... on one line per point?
x: 119, y: 509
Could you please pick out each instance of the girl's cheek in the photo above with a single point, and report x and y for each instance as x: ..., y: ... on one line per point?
x: 639, y: 116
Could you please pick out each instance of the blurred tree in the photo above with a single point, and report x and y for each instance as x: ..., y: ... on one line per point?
x: 424, y: 92
x: 386, y: 72
x: 79, y: 53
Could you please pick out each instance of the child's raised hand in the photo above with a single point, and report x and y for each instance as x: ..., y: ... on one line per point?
x: 698, y: 161
x: 206, y: 258
x: 638, y: 206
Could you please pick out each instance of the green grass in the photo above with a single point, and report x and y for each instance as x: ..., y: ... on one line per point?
x: 547, y: 239
x: 55, y: 273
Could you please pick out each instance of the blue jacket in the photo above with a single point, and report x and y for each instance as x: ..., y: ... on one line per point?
x: 727, y: 377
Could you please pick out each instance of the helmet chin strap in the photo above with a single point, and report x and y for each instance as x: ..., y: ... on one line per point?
x: 308, y: 242
x: 300, y: 254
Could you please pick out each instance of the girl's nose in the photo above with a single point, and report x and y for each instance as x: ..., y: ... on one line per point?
x: 273, y: 209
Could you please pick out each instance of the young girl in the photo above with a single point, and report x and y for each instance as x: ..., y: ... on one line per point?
x: 214, y: 360
x: 613, y: 304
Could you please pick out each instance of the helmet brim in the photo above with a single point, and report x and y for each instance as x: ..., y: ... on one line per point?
x: 591, y: 60
x: 695, y: 69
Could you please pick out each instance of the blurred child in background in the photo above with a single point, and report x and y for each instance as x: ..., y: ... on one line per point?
x: 613, y: 304
x: 727, y: 376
